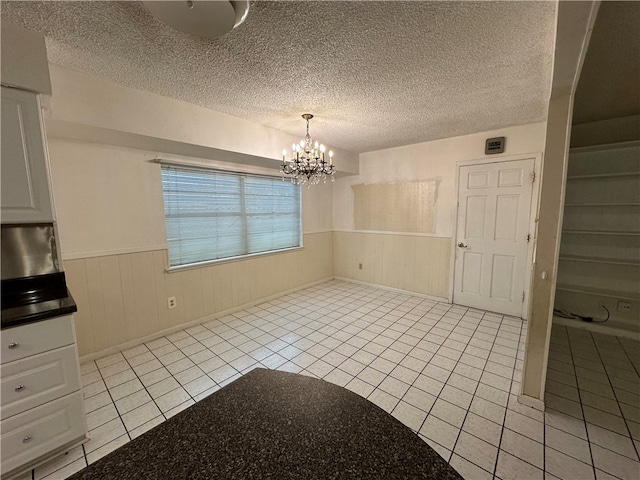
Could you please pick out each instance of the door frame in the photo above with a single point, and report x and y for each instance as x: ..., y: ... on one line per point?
x: 533, y: 218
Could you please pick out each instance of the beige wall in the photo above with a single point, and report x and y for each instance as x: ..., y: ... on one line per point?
x: 395, y: 255
x: 122, y: 298
x: 409, y: 262
x: 111, y: 226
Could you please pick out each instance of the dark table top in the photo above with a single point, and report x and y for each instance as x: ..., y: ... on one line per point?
x: 276, y: 425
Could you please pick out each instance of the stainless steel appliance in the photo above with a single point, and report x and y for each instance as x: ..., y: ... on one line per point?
x: 33, y: 284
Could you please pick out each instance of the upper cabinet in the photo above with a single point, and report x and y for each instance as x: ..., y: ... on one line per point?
x: 25, y: 196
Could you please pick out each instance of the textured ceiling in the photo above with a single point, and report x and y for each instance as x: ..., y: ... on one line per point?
x: 609, y: 85
x: 375, y: 74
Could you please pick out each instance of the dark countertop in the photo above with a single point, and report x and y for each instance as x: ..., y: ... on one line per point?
x: 276, y: 425
x: 31, y: 299
x: 35, y: 312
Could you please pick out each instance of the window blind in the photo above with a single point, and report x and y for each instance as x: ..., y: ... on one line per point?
x: 212, y: 215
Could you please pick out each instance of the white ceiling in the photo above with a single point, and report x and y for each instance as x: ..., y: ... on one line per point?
x: 375, y: 74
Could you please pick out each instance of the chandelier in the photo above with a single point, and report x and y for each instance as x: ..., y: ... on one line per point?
x: 307, y: 163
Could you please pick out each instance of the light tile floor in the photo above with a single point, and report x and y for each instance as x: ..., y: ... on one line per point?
x: 449, y: 373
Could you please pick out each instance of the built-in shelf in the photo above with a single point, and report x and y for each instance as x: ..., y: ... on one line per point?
x: 609, y: 261
x: 603, y: 175
x: 602, y: 232
x: 603, y: 292
x: 602, y: 204
x: 600, y: 249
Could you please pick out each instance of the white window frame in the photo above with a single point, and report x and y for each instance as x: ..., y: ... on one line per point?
x: 242, y: 176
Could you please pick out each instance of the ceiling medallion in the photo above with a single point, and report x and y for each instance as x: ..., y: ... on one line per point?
x: 307, y: 163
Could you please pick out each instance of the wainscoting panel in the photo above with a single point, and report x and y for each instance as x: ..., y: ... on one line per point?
x: 122, y: 298
x: 415, y: 263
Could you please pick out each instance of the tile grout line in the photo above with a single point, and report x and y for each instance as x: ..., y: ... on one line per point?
x: 635, y: 447
x: 506, y: 410
x: 355, y: 301
x: 460, y: 430
x: 584, y: 418
x: 452, y: 371
x: 429, y: 362
x: 102, y: 377
x: 376, y: 356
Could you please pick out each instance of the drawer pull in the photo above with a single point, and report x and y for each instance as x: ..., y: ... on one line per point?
x: 13, y: 344
x: 26, y: 439
x: 19, y: 387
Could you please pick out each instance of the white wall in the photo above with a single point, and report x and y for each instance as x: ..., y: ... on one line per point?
x: 109, y: 199
x: 86, y: 100
x: 418, y: 262
x: 110, y: 210
x: 430, y: 160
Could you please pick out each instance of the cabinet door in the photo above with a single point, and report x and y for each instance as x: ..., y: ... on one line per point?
x: 25, y: 181
x: 38, y: 432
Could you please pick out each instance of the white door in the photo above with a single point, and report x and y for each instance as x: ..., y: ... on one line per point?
x: 494, y: 201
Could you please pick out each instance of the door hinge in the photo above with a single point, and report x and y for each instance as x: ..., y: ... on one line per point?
x: 523, y: 297
x: 533, y: 177
x: 528, y: 237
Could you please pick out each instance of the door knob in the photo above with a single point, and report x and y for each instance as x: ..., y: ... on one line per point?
x: 462, y: 245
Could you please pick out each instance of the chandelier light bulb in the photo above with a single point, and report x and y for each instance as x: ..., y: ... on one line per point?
x: 307, y: 164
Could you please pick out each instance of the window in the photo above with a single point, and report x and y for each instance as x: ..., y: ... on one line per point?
x: 212, y: 214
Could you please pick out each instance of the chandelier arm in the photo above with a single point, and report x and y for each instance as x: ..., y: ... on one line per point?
x: 307, y: 164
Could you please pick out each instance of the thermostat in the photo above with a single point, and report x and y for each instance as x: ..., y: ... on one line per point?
x: 494, y: 145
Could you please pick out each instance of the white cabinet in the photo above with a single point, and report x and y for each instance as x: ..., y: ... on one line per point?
x: 25, y: 195
x: 38, y: 432
x: 41, y: 404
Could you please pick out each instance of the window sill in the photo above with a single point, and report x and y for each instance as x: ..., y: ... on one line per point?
x: 208, y: 263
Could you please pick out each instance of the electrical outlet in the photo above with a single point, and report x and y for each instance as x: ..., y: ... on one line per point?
x: 624, y: 307
x: 360, y: 266
x: 171, y: 302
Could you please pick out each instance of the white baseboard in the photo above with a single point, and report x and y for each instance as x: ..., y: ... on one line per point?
x: 207, y: 318
x: 393, y: 289
x: 596, y: 327
x: 531, y: 402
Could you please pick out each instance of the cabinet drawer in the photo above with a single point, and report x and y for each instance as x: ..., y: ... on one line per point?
x: 38, y: 379
x: 32, y: 434
x: 33, y: 338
